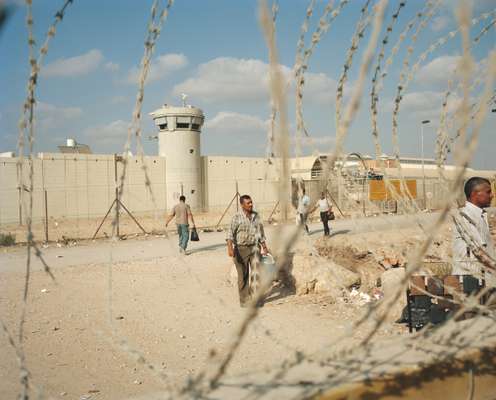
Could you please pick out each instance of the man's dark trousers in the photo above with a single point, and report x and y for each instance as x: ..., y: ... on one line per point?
x: 243, y: 256
x: 324, y: 216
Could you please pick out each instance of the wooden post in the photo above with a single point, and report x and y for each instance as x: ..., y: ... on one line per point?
x: 117, y: 203
x: 237, y: 195
x: 46, y: 217
x: 20, y: 205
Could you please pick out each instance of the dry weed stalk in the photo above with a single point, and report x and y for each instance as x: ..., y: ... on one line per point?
x: 153, y: 33
x: 24, y: 374
x: 26, y: 122
x: 377, y: 85
x: 378, y: 77
x: 300, y: 49
x: 362, y: 24
x: 303, y: 56
x: 154, y: 27
x: 407, y: 76
x: 399, y: 93
x: 444, y: 142
x: 401, y: 38
x: 464, y: 159
x: 415, y: 262
x: 354, y: 103
x: 375, y: 99
x: 277, y: 86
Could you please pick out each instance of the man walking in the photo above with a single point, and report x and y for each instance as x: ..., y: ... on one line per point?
x: 182, y: 212
x: 473, y: 247
x: 302, y: 209
x: 324, y: 208
x: 244, y: 239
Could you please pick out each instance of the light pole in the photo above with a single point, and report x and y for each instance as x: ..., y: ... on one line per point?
x: 424, y: 122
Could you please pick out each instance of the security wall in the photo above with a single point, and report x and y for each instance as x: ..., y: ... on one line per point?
x: 83, y: 186
x: 253, y: 176
x: 79, y: 186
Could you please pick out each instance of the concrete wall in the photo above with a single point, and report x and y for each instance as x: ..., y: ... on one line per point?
x: 254, y: 176
x: 79, y: 186
x: 82, y: 186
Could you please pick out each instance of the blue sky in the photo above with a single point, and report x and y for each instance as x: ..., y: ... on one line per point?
x: 214, y: 51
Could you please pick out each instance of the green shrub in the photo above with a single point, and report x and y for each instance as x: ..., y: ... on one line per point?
x: 7, y: 239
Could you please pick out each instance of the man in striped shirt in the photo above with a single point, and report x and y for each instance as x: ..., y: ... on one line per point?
x: 472, y: 240
x: 244, y: 239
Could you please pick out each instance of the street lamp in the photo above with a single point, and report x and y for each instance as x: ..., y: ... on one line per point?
x: 424, y: 122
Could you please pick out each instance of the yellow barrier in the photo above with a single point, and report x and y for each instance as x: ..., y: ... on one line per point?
x: 378, y: 192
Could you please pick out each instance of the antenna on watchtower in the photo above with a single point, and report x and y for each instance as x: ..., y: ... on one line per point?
x: 184, y: 96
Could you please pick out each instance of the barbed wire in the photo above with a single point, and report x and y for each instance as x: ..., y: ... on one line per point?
x: 469, y: 115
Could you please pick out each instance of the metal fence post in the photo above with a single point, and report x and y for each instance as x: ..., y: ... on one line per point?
x: 46, y: 216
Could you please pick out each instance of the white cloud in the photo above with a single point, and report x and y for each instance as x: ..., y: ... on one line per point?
x: 114, y: 132
x: 227, y: 79
x: 50, y: 116
x: 427, y: 104
x: 236, y: 124
x: 438, y: 71
x: 74, y: 66
x: 161, y: 67
x: 440, y: 23
x: 112, y: 67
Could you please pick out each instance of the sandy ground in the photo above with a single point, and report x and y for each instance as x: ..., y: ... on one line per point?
x: 110, y: 299
x: 65, y: 230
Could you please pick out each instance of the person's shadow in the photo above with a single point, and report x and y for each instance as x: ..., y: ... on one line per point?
x: 333, y: 233
x: 206, y: 248
x: 284, y: 284
x: 278, y: 291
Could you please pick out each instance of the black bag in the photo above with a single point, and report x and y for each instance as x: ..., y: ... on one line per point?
x: 194, y: 235
x: 331, y: 215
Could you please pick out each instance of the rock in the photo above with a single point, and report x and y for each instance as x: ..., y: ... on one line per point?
x: 313, y: 274
x: 390, y: 285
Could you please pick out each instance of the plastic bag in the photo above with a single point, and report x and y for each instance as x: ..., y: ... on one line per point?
x: 194, y: 235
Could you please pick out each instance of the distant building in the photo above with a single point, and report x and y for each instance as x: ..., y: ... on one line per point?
x: 73, y: 147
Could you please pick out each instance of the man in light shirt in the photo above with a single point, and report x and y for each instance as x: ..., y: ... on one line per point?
x: 182, y: 212
x: 324, y: 208
x: 302, y: 210
x: 472, y: 240
x: 245, y: 241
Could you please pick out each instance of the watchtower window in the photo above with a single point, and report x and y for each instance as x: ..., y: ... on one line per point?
x: 195, y: 127
x: 183, y: 122
x: 162, y: 123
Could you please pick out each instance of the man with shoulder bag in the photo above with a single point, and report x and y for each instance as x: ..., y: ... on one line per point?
x: 326, y: 213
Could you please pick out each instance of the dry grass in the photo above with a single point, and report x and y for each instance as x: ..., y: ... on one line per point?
x: 468, y: 119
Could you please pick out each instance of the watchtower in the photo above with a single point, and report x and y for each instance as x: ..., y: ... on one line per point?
x: 179, y: 143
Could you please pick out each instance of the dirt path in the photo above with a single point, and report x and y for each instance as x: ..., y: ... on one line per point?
x: 172, y: 309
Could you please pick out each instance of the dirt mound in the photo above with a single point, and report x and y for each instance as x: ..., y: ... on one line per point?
x: 370, y: 254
